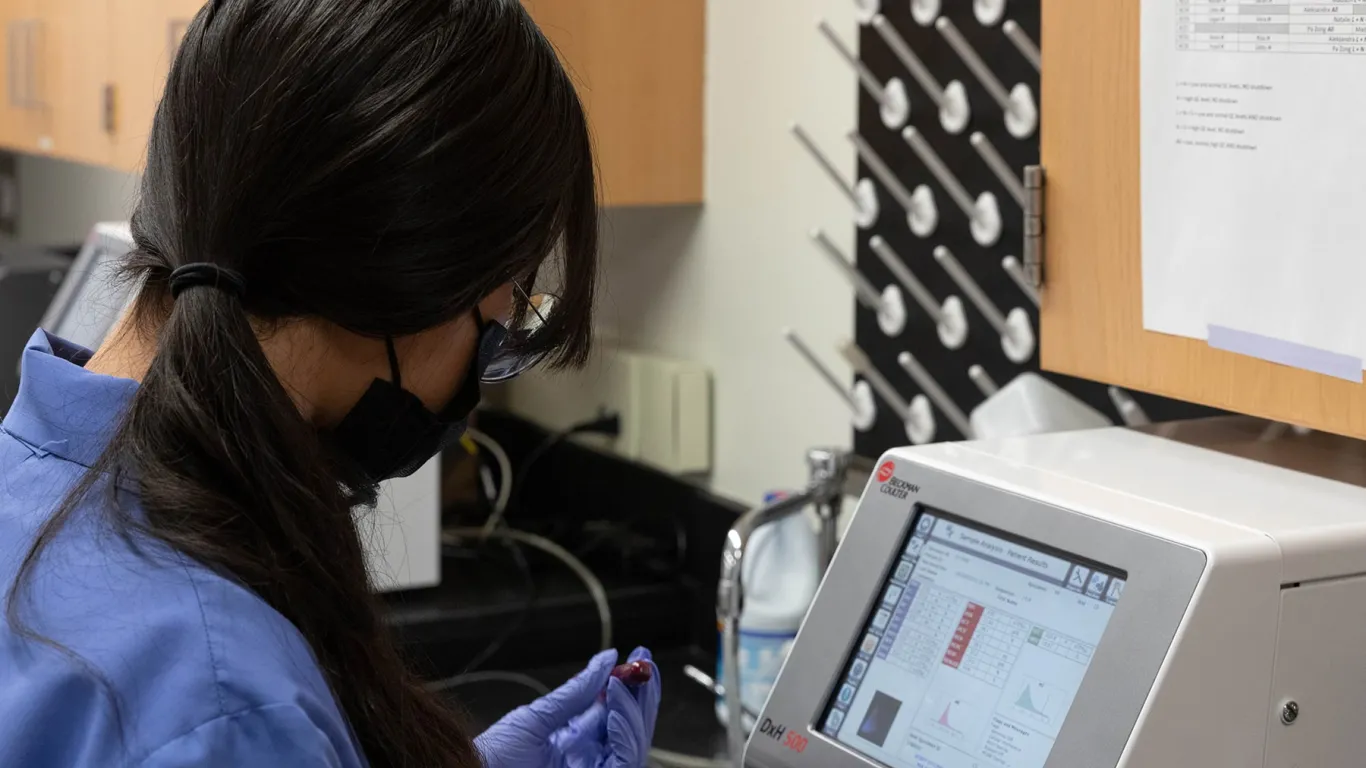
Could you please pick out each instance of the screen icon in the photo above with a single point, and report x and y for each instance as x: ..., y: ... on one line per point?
x: 1096, y: 586
x: 1077, y: 580
x: 892, y: 595
x: 833, y: 721
x: 903, y: 571
x: 880, y: 620
x: 924, y: 524
x: 858, y: 669
x: 914, y: 547
x: 1115, y: 591
x: 870, y: 642
x: 847, y: 694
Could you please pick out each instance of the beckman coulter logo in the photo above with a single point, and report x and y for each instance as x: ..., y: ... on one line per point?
x: 884, y: 472
x: 894, y: 486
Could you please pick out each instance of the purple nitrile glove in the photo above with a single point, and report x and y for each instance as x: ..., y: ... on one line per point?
x: 563, y: 729
x: 631, y: 716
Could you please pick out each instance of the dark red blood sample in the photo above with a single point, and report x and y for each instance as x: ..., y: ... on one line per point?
x: 634, y: 673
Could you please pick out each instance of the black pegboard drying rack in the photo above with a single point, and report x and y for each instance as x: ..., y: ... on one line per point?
x: 982, y: 154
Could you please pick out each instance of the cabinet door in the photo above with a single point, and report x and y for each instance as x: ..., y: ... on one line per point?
x: 1092, y: 315
x: 20, y: 118
x: 74, y: 78
x: 639, y: 69
x: 147, y: 34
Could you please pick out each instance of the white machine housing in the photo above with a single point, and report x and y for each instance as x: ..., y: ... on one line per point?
x: 402, y: 536
x: 1246, y: 592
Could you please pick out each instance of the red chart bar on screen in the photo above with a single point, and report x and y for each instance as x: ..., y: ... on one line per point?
x: 967, y: 625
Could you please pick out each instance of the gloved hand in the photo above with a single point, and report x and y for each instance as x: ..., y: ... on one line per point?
x: 631, y: 717
x: 569, y: 728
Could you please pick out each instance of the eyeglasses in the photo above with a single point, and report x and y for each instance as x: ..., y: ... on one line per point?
x: 499, y: 347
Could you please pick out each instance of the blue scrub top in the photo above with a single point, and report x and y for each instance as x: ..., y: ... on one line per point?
x: 205, y: 673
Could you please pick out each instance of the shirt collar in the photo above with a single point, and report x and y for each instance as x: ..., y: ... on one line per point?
x: 63, y: 409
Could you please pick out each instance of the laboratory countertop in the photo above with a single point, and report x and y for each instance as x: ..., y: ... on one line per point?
x: 687, y: 717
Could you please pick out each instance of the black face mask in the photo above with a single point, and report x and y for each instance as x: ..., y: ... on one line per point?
x: 390, y: 433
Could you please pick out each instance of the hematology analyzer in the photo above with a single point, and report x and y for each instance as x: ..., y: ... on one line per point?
x: 1102, y: 598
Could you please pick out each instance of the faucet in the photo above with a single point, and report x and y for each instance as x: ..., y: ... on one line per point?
x: 826, y: 468
x: 831, y: 476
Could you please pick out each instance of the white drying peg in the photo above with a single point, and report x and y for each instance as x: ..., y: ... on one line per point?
x: 1021, y: 113
x: 1022, y: 41
x: 916, y: 416
x: 952, y: 99
x: 1017, y: 335
x: 983, y: 380
x: 1277, y: 429
x: 988, y: 12
x: 863, y: 194
x: 892, y: 96
x: 1129, y: 410
x: 984, y: 213
x: 949, y: 318
x: 866, y: 10
x: 946, y: 405
x: 889, y: 306
x: 859, y: 398
x: 1016, y: 271
x: 998, y: 165
x: 922, y: 213
x: 925, y: 11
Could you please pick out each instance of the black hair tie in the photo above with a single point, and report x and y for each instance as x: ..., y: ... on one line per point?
x: 208, y: 275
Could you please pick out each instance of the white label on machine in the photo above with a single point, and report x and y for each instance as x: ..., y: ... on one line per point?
x: 974, y: 652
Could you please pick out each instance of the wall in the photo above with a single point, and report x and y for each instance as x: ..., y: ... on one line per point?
x: 718, y: 285
x: 60, y: 201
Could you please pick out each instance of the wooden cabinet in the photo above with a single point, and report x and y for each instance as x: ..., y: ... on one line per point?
x: 638, y: 65
x: 20, y: 117
x: 76, y: 95
x: 56, y: 79
x: 83, y: 78
x: 1092, y: 313
x: 147, y: 34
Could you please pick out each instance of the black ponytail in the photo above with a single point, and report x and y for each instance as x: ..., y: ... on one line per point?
x: 378, y: 164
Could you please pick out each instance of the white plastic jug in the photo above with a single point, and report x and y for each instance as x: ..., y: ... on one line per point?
x: 780, y: 574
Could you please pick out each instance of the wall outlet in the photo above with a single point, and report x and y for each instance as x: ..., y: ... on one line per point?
x: 665, y: 406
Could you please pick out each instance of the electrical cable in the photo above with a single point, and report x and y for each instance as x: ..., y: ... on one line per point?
x: 487, y: 481
x: 595, y: 588
x: 607, y: 424
x: 516, y: 623
x: 520, y: 482
x: 500, y: 456
x: 500, y: 501
x: 470, y: 678
x: 626, y: 538
x: 491, y: 529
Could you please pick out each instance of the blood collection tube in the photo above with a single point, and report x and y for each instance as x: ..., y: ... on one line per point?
x: 633, y: 673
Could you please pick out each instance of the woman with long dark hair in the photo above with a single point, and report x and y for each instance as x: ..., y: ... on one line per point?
x: 345, y: 207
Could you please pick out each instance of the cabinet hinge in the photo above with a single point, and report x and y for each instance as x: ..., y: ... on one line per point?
x: 1034, y: 225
